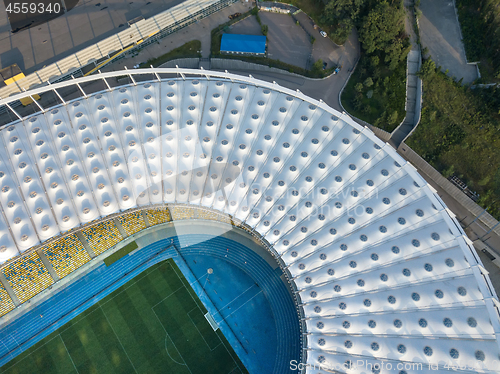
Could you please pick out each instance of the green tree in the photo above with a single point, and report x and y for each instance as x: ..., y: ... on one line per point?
x: 318, y: 66
x: 374, y: 61
x: 357, y: 102
x: 392, y: 118
x: 264, y: 29
x: 396, y: 52
x: 358, y: 87
x: 368, y: 82
x: 449, y: 172
x: 342, y: 15
x: 381, y: 27
x: 342, y: 30
x: 428, y: 68
x: 339, y: 10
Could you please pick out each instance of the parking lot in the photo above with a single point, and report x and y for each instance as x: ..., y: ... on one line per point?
x: 85, y: 24
x: 248, y: 26
x: 440, y: 33
x: 323, y: 48
x: 287, y: 41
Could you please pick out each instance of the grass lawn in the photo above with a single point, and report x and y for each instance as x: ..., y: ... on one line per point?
x: 458, y: 135
x: 479, y: 21
x: 188, y: 50
x: 120, y: 253
x: 153, y: 324
x: 388, y: 95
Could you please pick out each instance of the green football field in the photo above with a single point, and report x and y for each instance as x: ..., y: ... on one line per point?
x: 153, y: 324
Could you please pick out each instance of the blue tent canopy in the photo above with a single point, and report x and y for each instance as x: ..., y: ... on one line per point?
x: 243, y: 43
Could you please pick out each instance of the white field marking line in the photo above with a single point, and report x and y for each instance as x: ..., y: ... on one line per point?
x: 206, y: 280
x: 233, y: 370
x: 119, y: 341
x: 66, y: 348
x: 242, y: 305
x: 10, y: 352
x: 12, y: 336
x: 81, y: 319
x: 168, y: 336
x: 229, y: 353
x: 227, y: 350
x: 211, y: 350
x: 137, y: 278
x: 218, y: 311
x: 164, y: 329
x: 237, y: 366
x: 29, y: 354
x: 198, y: 279
x: 168, y: 353
x: 182, y: 286
x: 165, y: 298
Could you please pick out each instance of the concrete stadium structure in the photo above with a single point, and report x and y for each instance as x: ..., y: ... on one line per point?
x: 383, y: 273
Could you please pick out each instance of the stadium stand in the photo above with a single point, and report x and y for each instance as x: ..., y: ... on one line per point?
x: 6, y: 304
x: 212, y: 216
x: 132, y: 222
x: 66, y: 254
x: 182, y: 212
x: 102, y: 236
x: 158, y: 215
x: 28, y: 276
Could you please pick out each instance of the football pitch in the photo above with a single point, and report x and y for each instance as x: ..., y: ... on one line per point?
x: 155, y: 323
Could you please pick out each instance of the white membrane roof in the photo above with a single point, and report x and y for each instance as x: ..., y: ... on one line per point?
x: 384, y: 272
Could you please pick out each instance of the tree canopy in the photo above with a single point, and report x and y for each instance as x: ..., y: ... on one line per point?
x: 480, y: 24
x: 383, y: 30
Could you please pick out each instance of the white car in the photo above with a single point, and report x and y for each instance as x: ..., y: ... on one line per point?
x: 323, y: 34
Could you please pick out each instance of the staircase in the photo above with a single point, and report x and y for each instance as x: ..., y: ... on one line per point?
x: 412, y: 96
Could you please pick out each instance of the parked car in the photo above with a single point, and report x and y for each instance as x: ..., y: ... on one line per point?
x: 233, y: 16
x: 336, y: 70
x: 323, y: 34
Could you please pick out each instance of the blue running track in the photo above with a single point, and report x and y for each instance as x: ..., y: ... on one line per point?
x: 244, y: 294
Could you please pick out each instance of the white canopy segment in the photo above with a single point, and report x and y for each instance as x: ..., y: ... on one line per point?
x: 387, y: 279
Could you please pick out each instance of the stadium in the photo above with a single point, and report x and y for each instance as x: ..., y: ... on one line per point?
x: 195, y: 221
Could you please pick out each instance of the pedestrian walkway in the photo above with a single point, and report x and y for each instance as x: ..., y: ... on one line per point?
x: 413, y: 104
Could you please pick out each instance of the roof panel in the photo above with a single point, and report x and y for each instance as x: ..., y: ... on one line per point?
x: 375, y: 255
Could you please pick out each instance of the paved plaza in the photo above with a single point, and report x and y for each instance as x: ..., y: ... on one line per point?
x: 440, y: 33
x: 87, y: 23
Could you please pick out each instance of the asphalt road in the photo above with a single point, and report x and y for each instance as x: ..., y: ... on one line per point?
x: 323, y: 48
x: 327, y: 89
